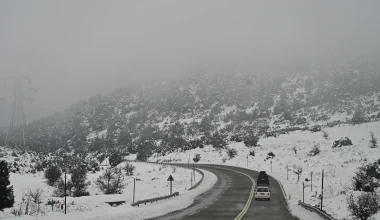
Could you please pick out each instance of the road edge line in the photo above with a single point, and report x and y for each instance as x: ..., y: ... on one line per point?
x: 248, y: 203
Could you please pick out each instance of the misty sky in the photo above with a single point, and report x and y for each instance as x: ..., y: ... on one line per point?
x: 76, y: 49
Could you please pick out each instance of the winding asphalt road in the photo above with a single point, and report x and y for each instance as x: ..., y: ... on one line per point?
x: 232, y: 198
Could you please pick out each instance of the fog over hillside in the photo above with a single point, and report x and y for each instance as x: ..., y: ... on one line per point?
x: 104, y: 105
x: 74, y: 50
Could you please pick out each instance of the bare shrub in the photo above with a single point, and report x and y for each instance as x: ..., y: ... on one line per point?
x: 298, y: 171
x: 197, y: 158
x: 342, y: 142
x: 36, y: 197
x: 231, y: 152
x: 129, y: 169
x: 270, y: 155
x: 16, y: 212
x: 315, y: 151
x: 252, y: 153
x: 363, y: 206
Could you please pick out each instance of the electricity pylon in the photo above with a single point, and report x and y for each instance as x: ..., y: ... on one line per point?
x: 16, y: 130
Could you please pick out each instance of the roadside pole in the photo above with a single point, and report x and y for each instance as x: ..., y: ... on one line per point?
x: 194, y: 171
x: 247, y: 161
x: 171, y: 179
x: 287, y: 172
x: 65, y: 191
x: 134, y: 189
x: 271, y: 166
x: 311, y: 181
x: 171, y: 187
x: 323, y: 173
x: 303, y: 191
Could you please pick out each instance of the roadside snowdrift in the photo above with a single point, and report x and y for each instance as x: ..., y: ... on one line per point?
x: 152, y: 182
x: 339, y: 163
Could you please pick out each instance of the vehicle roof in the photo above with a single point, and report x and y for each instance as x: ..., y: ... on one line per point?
x: 262, y: 187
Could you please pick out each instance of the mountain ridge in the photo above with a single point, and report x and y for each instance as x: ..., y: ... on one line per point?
x: 195, y: 106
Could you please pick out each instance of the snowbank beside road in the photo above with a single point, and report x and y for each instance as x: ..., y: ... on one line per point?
x: 127, y: 212
x: 339, y: 164
x: 152, y: 182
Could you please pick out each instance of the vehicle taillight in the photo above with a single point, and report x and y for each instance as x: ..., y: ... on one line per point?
x: 268, y: 194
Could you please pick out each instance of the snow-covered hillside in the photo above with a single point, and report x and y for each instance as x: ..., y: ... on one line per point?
x: 151, y: 182
x: 232, y: 102
x: 339, y: 163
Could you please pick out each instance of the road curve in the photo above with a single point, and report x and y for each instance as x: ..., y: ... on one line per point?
x: 231, y: 198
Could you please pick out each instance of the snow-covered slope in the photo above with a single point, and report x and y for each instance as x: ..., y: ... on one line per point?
x: 231, y: 102
x: 151, y: 182
x: 339, y: 164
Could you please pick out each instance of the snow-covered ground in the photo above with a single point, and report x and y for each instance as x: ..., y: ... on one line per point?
x: 339, y: 164
x: 152, y: 182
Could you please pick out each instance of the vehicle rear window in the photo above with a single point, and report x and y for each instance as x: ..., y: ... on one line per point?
x: 262, y: 190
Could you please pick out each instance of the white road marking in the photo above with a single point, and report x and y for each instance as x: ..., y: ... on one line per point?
x: 246, y: 207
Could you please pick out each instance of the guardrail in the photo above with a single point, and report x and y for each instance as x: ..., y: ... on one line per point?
x: 321, y: 213
x: 145, y: 201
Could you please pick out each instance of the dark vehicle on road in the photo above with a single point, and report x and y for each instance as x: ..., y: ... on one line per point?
x: 262, y: 178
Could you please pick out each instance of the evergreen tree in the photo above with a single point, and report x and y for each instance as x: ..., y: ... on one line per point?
x: 115, y: 159
x: 373, y: 141
x: 52, y: 174
x: 218, y: 141
x: 6, y: 191
x: 97, y: 144
x: 78, y: 180
x: 125, y: 141
x: 144, y: 150
x: 358, y: 116
x: 111, y: 182
x: 282, y: 104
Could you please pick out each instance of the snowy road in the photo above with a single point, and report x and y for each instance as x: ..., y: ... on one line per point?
x: 231, y: 198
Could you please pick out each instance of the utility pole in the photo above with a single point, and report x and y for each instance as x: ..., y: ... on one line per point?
x: 16, y: 130
x: 323, y: 173
x: 65, y: 191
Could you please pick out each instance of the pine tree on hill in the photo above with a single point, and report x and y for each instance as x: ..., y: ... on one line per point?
x: 358, y: 116
x: 6, y: 191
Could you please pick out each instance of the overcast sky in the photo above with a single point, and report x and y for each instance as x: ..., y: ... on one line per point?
x: 76, y: 49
